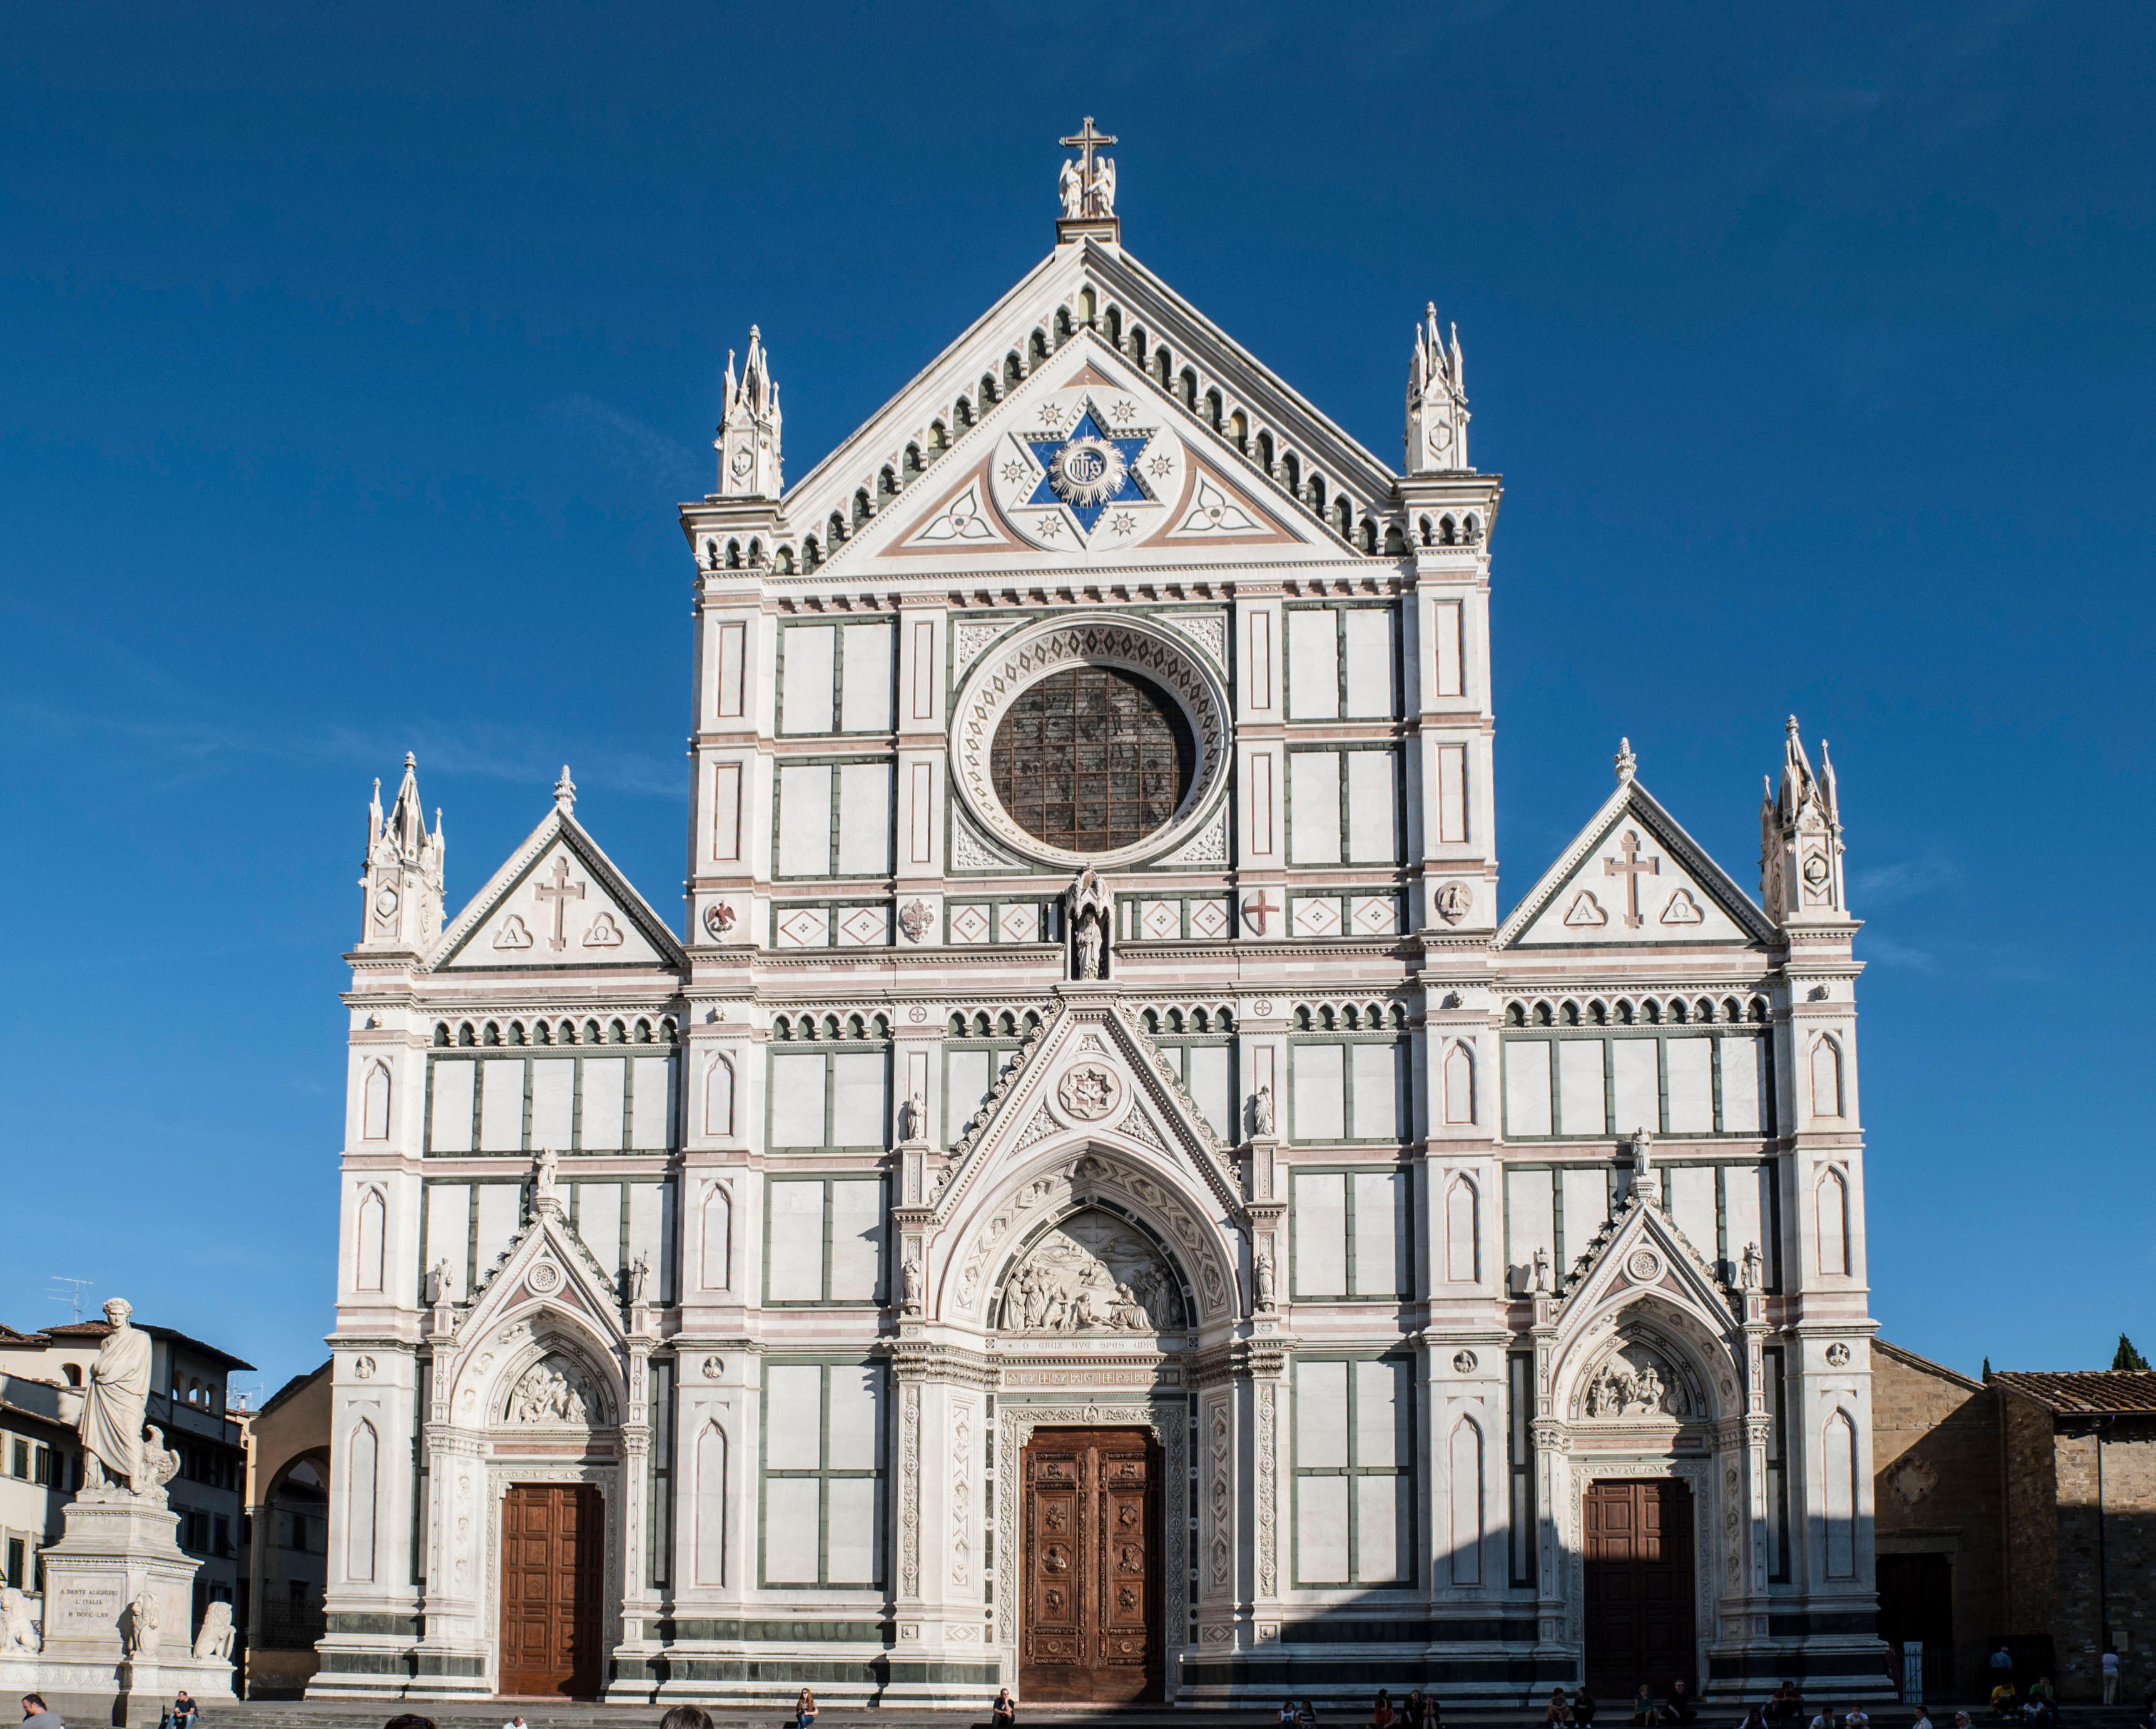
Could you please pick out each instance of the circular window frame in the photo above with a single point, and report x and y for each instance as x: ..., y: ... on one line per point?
x: 1002, y: 672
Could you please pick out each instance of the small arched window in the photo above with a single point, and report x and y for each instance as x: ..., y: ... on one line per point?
x: 1266, y: 451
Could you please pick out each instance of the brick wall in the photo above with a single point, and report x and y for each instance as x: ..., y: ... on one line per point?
x: 2126, y: 1550
x: 2032, y: 1521
x: 1935, y: 1489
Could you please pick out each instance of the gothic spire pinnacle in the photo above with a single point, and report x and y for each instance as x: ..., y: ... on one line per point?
x: 403, y: 879
x: 1437, y: 399
x: 748, y: 440
x: 1800, y: 837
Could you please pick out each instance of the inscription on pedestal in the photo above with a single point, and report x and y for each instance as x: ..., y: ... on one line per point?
x: 87, y: 1605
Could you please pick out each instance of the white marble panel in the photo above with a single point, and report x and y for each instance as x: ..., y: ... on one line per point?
x: 793, y: 1410
x: 1743, y: 1084
x: 856, y: 1416
x: 1691, y: 1207
x: 1380, y: 1073
x: 1528, y: 1086
x: 1321, y: 1530
x: 792, y: 1520
x: 797, y: 1241
x: 805, y: 687
x: 501, y: 1211
x: 1530, y: 1217
x: 1313, y: 791
x: 1317, y: 1080
x: 804, y: 819
x: 451, y: 1129
x: 1376, y: 1528
x: 864, y: 819
x: 1380, y: 1406
x: 856, y: 1240
x: 598, y: 1221
x: 1371, y: 838
x: 858, y: 1114
x: 1379, y: 1198
x: 449, y: 1233
x: 1635, y: 1069
x: 553, y: 1101
x: 797, y: 1100
x: 1582, y: 1108
x: 1369, y: 638
x: 1692, y: 1085
x: 864, y: 687
x: 653, y: 1100
x: 1205, y: 1075
x: 1586, y: 1209
x: 651, y: 1231
x: 599, y: 1126
x: 1321, y: 1415
x: 1321, y: 1235
x: 853, y: 1529
x: 1313, y: 664
x: 501, y: 1106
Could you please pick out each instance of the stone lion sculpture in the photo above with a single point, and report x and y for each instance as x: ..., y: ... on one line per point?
x: 215, y: 1639
x: 19, y: 1628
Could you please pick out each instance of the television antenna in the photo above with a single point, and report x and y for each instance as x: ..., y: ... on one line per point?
x: 73, y: 1295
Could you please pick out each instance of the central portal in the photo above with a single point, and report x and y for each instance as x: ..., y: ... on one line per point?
x: 1639, y: 1587
x: 1092, y: 1567
x: 553, y: 1544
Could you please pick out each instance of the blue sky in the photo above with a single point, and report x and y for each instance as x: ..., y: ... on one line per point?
x: 354, y: 360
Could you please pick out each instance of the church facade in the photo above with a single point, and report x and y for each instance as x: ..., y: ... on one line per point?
x: 1099, y: 1201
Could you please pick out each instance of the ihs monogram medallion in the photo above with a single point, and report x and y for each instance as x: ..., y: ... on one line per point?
x: 1092, y: 479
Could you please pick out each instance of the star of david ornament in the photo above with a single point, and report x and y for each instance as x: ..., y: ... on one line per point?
x: 1087, y: 469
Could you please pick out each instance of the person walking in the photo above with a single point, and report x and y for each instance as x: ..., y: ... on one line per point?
x: 2108, y: 1664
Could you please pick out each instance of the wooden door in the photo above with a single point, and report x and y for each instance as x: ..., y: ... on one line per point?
x: 553, y: 1542
x: 1092, y: 1567
x: 1638, y: 1588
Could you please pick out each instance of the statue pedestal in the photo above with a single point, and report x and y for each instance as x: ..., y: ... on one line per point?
x: 118, y: 1548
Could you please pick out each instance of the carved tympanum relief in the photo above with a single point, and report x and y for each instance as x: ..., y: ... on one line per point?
x: 553, y: 1390
x: 1634, y: 1381
x: 1091, y: 1273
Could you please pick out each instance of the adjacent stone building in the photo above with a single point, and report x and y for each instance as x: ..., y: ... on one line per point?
x: 1099, y: 1200
x: 288, y: 1538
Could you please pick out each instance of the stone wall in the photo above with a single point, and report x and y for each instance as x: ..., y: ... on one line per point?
x: 2032, y: 1518
x: 1935, y: 1445
x: 2126, y: 1552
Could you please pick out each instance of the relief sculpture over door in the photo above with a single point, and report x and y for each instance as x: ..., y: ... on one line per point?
x: 1092, y: 1522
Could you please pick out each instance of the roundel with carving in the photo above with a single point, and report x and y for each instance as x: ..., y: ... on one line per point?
x: 1644, y: 1264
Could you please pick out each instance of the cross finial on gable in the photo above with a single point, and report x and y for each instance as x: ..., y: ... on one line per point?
x: 1086, y: 188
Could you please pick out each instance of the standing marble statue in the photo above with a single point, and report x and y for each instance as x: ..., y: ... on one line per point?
x: 1089, y: 945
x: 114, y: 1407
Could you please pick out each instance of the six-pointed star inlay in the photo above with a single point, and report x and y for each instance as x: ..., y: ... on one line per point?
x: 1087, y: 469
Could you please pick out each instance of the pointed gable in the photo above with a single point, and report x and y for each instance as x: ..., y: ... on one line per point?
x: 1085, y: 461
x: 1633, y: 878
x: 1090, y: 1072
x: 559, y: 903
x: 1090, y: 317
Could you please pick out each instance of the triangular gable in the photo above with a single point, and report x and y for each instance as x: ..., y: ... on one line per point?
x: 559, y: 903
x: 1087, y: 461
x: 1641, y: 1250
x: 1145, y: 302
x: 545, y: 1262
x: 1633, y: 878
x: 1052, y: 1089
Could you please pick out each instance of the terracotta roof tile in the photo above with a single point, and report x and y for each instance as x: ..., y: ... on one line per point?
x: 2087, y: 1392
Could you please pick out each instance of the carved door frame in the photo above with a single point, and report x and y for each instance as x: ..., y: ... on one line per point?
x: 1096, y: 1565
x: 1167, y: 1419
